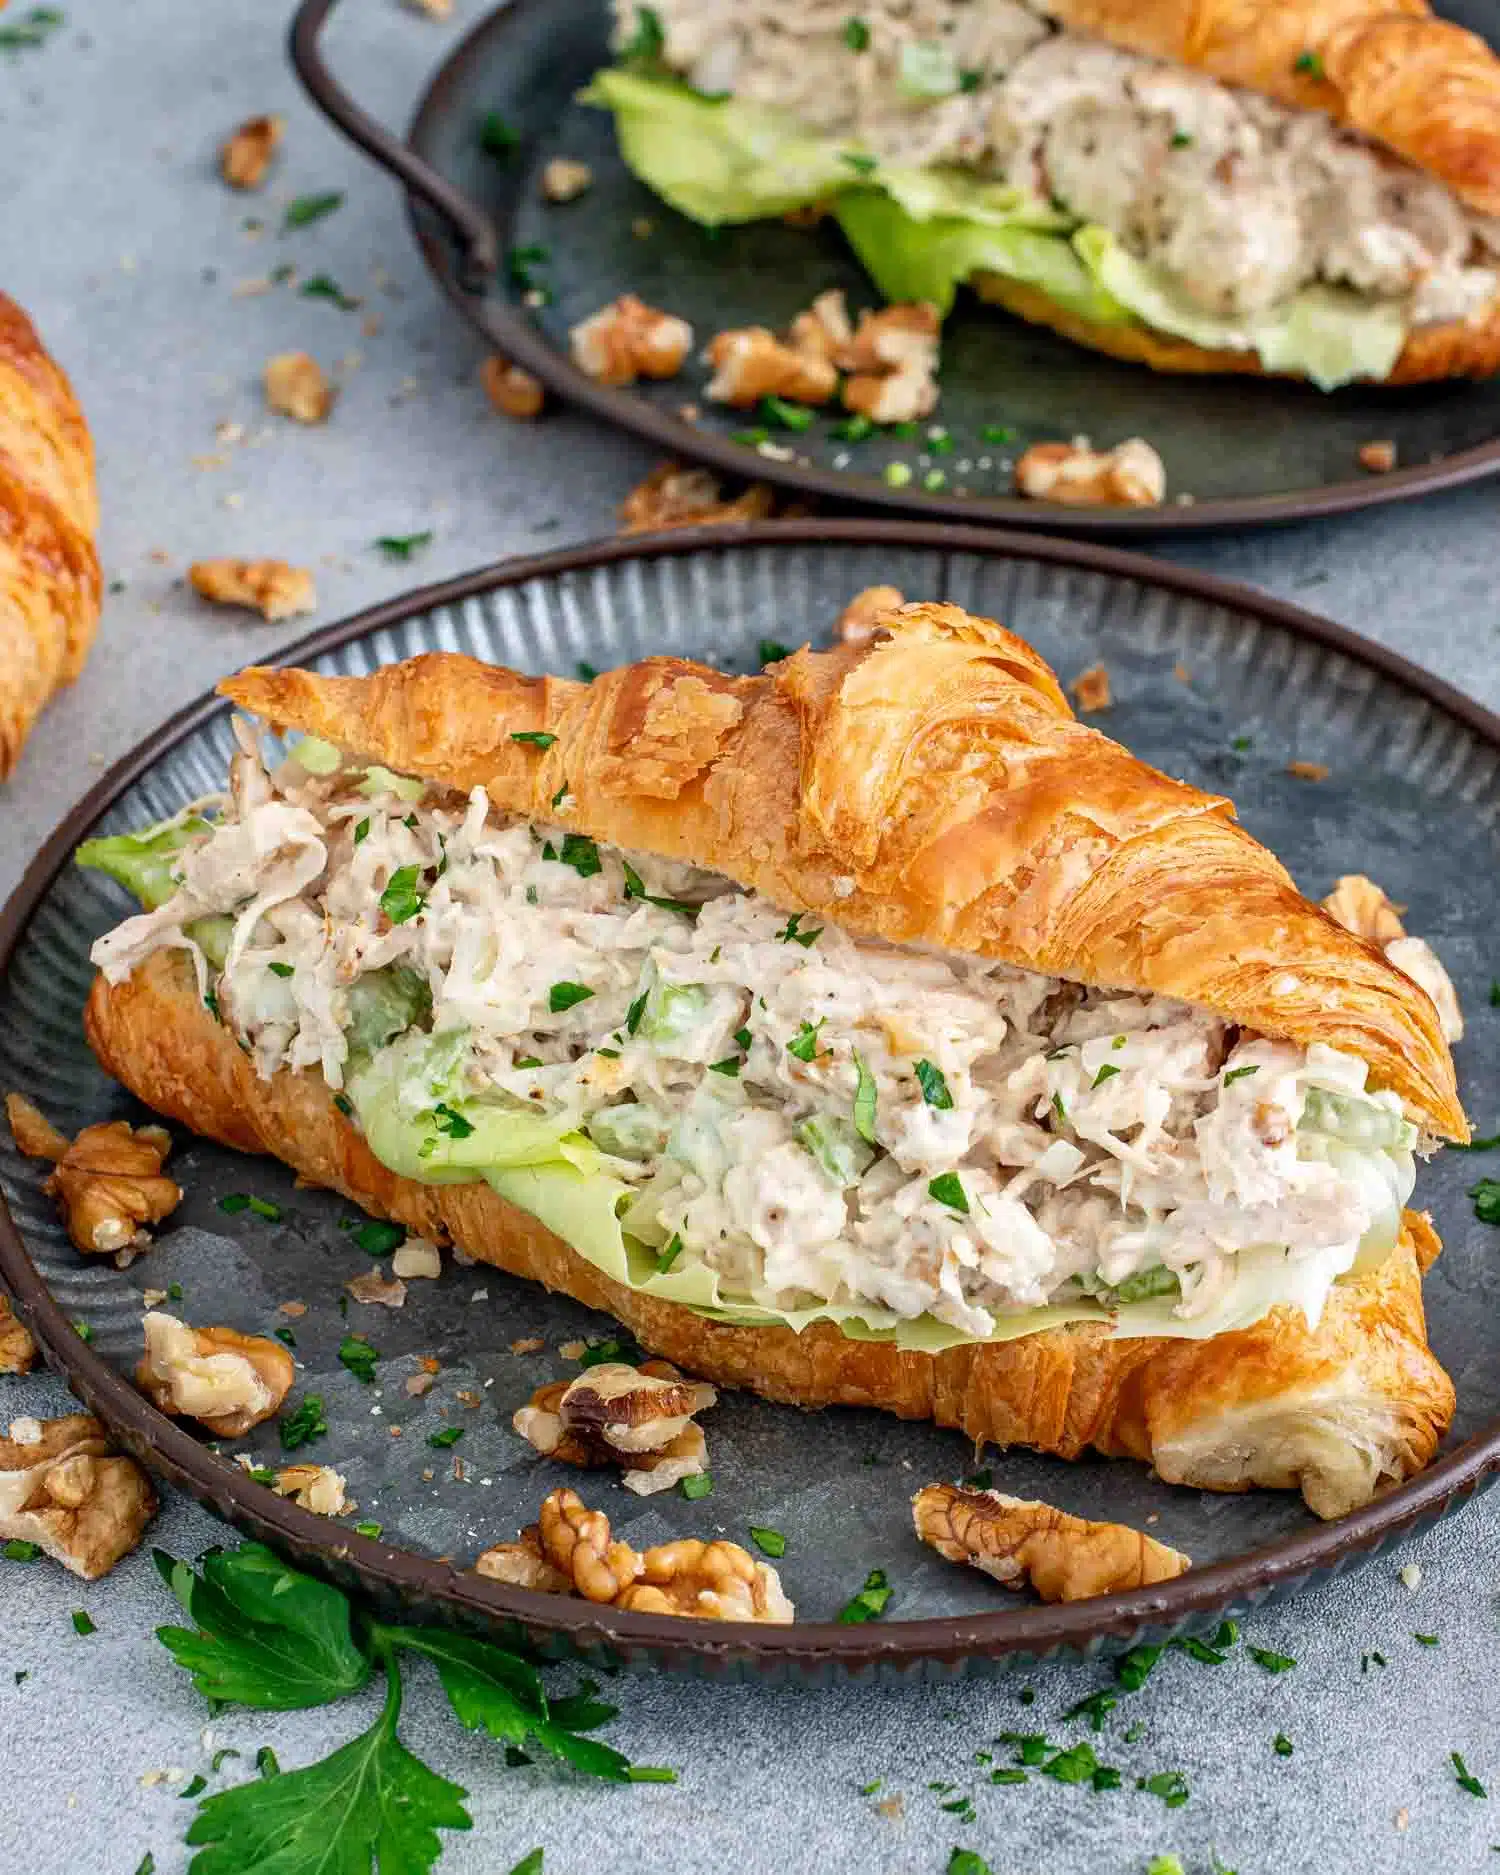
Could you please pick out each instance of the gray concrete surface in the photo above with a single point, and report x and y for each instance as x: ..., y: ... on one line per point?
x: 117, y: 235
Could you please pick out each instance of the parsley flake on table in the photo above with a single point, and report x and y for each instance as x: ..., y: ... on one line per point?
x: 1272, y: 1662
x: 1281, y: 1745
x: 1465, y: 1777
x: 375, y: 1236
x: 305, y: 1424
x: 869, y: 1602
x: 530, y: 1864
x: 1425, y: 1640
x: 83, y: 1622
x: 236, y: 1201
x: 33, y: 29
x: 768, y: 1542
x: 450, y: 1435
x: 305, y: 209
x: 403, y: 546
x: 700, y: 1484
x: 324, y: 286
x: 17, y: 1549
x: 1133, y: 1669
x: 1170, y: 1786
x: 359, y: 1357
x: 1096, y: 1708
x: 497, y: 138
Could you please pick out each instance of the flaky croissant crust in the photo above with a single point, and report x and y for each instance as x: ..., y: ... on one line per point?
x: 1389, y: 69
x: 929, y: 787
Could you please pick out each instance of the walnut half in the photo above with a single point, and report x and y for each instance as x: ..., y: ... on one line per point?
x: 227, y: 1381
x: 892, y: 360
x: 17, y: 1349
x: 672, y: 496
x: 270, y: 587
x: 315, y: 1487
x: 1018, y: 1540
x: 108, y: 1182
x: 1131, y: 475
x: 570, y: 1550
x: 861, y: 618
x: 640, y: 1419
x: 627, y: 340
x: 63, y: 1487
x: 1360, y: 906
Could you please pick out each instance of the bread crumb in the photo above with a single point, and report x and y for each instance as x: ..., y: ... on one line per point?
x: 564, y: 179
x: 246, y: 156
x: 1090, y: 689
x: 528, y: 1344
x: 1308, y: 771
x: 270, y: 587
x: 295, y: 386
x: 1379, y: 458
x: 512, y: 391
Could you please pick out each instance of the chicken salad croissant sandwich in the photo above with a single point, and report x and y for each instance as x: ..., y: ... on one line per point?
x: 867, y: 1031
x: 1293, y: 187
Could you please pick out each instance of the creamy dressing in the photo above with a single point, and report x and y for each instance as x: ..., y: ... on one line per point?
x: 1239, y: 201
x: 809, y: 1114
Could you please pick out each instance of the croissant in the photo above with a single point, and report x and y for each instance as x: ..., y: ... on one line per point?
x: 49, y: 571
x: 1413, y: 89
x: 929, y: 787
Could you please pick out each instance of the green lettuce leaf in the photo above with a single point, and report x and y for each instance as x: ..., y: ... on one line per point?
x: 144, y: 863
x: 1328, y: 333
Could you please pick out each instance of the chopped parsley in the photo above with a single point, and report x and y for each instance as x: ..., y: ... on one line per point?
x: 1425, y: 1640
x: 1465, y: 1777
x: 305, y: 209
x: 567, y: 995
x: 864, y: 1101
x: 1309, y: 64
x: 519, y: 263
x: 83, y: 1331
x: 856, y: 34
x: 560, y: 796
x: 285, y: 1336
x: 997, y: 433
x: 450, y: 1435
x: 580, y: 852
x: 768, y: 1542
x: 32, y: 30
x: 1096, y: 1708
x: 635, y: 887
x: 1281, y: 1745
x: 195, y: 1786
x: 933, y: 480
x: 1238, y: 1074
x: 449, y: 1121
x: 970, y: 80
x: 375, y: 1236
x: 1272, y: 1662
x: 1486, y: 1196
x: 786, y: 415
x: 1107, y: 1072
x: 401, y: 901
x: 305, y: 1424
x: 934, y: 1085
x: 1182, y: 139
x: 498, y: 138
x: 648, y: 40
x: 221, y: 1757
x: 751, y: 438
x: 743, y: 1038
x: 403, y: 546
x: 699, y: 1484
x: 236, y: 1201
x: 280, y: 969
x: 369, y: 1529
x: 344, y: 1104
x: 948, y: 1189
x: 258, y: 1474
x: 770, y: 652
x: 324, y: 286
x: 670, y: 1254
x: 854, y: 429
x: 863, y: 165
x: 804, y: 1044
x: 1241, y: 744
x: 361, y: 832
x: 634, y: 1013
x: 266, y: 1764
x: 1009, y: 1774
x: 1133, y: 1669
x: 869, y: 1602
x: 17, y: 1549
x: 1170, y: 1786
x: 586, y: 672
x: 792, y: 932
x: 729, y: 1067
x: 538, y: 738
x: 359, y: 1357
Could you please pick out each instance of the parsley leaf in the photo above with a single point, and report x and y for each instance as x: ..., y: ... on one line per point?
x: 580, y: 852
x: 670, y: 1254
x: 856, y: 34
x: 948, y: 1189
x: 264, y: 1635
x: 768, y: 1542
x: 1170, y: 1786
x: 450, y: 1122
x: 309, y: 208
x: 729, y: 1067
x: 1281, y: 1745
x: 635, y: 887
x: 497, y: 138
x: 359, y: 1357
x: 791, y: 932
x: 566, y: 995
x: 634, y: 1013
x: 401, y: 901
x: 1107, y: 1072
x: 538, y: 738
x: 450, y: 1435
x: 646, y: 42
x: 83, y: 1622
x: 403, y: 546
x: 17, y: 1549
x: 1466, y: 1778
x: 1238, y: 1074
x: 934, y: 1085
x: 375, y: 1237
x: 1272, y: 1662
x: 804, y: 1044
x: 369, y: 1804
x: 772, y: 651
x: 1486, y: 1196
x: 1309, y: 64
x: 870, y: 1600
x: 324, y: 286
x: 1096, y: 1708
x: 306, y: 1424
x: 1133, y: 1669
x: 864, y: 1101
x: 696, y: 1484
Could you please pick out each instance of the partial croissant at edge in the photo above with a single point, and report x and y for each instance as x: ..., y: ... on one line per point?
x: 931, y: 786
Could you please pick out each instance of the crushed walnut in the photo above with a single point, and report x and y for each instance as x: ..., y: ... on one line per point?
x: 512, y: 391
x: 1379, y: 458
x: 1017, y: 1540
x: 857, y: 623
x: 892, y: 362
x: 375, y: 1287
x: 63, y: 1487
x: 1361, y: 907
x: 750, y: 363
x: 564, y: 179
x: 315, y: 1487
x: 672, y: 496
x: 417, y: 1259
x: 716, y: 1581
x: 17, y: 1349
x: 1308, y: 771
x: 295, y: 385
x: 627, y: 340
x: 270, y: 587
x: 246, y: 156
x: 1131, y: 475
x: 227, y: 1381
x: 108, y: 1182
x: 639, y: 1418
x: 1090, y: 689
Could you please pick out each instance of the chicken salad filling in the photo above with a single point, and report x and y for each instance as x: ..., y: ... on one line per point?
x: 1207, y: 209
x: 751, y: 1110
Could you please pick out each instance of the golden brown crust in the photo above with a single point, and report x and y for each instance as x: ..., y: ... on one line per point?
x: 928, y: 786
x: 1272, y: 1404
x: 1457, y: 349
x: 49, y: 572
x: 1424, y: 88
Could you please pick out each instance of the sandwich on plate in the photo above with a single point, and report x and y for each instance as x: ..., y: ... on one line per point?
x: 1295, y: 187
x: 867, y: 1031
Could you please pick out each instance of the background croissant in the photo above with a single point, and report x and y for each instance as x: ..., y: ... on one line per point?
x: 49, y: 571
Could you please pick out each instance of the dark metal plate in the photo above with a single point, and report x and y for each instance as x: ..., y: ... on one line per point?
x: 1196, y: 666
x: 1248, y: 451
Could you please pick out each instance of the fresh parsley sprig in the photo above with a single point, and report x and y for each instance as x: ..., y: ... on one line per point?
x: 266, y: 1636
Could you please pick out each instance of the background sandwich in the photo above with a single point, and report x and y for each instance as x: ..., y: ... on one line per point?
x: 865, y: 1031
x: 1298, y: 187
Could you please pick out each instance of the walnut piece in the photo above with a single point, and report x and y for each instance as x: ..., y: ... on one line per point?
x: 824, y: 329
x: 640, y: 1419
x: 1379, y: 458
x: 1361, y: 907
x: 1131, y: 475
x: 627, y: 340
x: 709, y: 1581
x: 417, y: 1258
x: 564, y: 179
x: 1018, y: 1540
x: 672, y: 496
x: 227, y: 1381
x: 512, y: 391
x: 108, y: 1183
x: 1309, y: 771
x: 750, y: 362
x: 374, y: 1287
x: 17, y: 1349
x: 270, y: 587
x: 295, y: 385
x: 892, y: 360
x: 1090, y: 689
x: 246, y: 156
x: 63, y: 1487
x: 859, y: 620
x: 315, y: 1487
